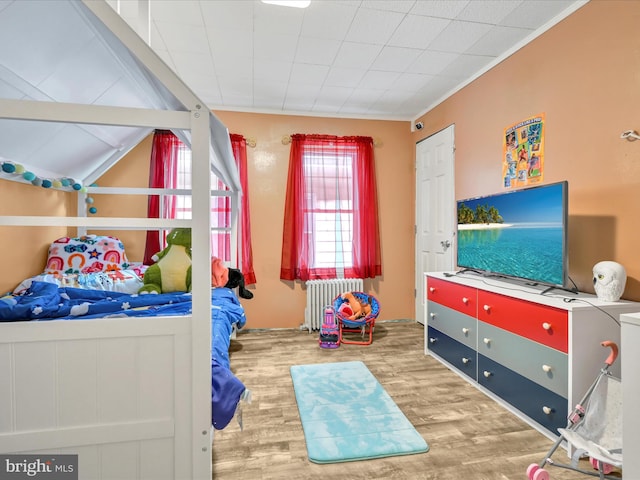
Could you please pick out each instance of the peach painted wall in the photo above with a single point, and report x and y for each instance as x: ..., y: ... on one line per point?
x: 584, y: 74
x: 24, y: 249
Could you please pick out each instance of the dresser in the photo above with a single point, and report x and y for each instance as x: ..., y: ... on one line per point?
x: 536, y: 354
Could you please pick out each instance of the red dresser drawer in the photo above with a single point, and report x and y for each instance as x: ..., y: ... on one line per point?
x: 540, y: 323
x: 458, y: 297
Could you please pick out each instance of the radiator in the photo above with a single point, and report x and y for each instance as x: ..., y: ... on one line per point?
x: 321, y: 293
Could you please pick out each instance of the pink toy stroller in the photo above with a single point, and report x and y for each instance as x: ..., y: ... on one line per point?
x: 329, y: 331
x: 594, y: 428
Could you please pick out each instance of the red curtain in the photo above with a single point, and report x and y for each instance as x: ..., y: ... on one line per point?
x: 163, y: 168
x: 330, y: 177
x: 163, y: 173
x: 239, y: 146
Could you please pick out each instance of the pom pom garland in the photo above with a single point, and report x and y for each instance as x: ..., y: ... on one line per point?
x: 65, y: 182
x: 17, y: 169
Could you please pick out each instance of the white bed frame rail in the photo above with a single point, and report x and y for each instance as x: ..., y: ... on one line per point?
x: 116, y: 392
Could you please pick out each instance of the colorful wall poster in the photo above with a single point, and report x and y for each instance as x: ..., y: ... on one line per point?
x: 523, y: 153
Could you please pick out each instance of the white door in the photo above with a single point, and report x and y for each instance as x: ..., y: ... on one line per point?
x: 435, y: 210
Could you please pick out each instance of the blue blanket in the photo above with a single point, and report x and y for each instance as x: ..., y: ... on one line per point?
x: 47, y: 301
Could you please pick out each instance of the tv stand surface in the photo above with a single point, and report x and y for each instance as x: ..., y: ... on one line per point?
x: 535, y: 354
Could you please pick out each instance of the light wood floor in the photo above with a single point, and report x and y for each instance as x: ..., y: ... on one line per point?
x: 470, y: 436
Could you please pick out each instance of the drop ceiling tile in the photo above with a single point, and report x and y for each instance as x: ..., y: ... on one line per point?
x: 344, y: 77
x: 185, y: 12
x: 373, y: 26
x: 238, y: 100
x: 411, y: 82
x: 417, y: 31
x: 308, y: 74
x: 357, y: 55
x: 402, y: 6
x: 183, y: 38
x: 277, y: 19
x: 535, y: 13
x: 270, y: 94
x: 230, y: 83
x: 314, y: 50
x: 272, y: 71
x: 431, y: 62
x: 378, y: 80
x: 228, y: 14
x: 395, y: 59
x: 465, y: 66
x: 274, y: 46
x: 225, y: 43
x: 232, y: 66
x: 328, y: 20
x: 334, y: 96
x: 303, y: 91
x: 494, y: 41
x: 458, y: 36
x: 488, y: 11
x: 440, y: 8
x: 298, y: 105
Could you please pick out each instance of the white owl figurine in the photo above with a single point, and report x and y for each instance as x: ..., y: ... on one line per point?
x: 609, y: 279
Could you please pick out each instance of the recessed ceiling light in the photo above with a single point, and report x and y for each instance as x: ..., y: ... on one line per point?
x: 290, y: 3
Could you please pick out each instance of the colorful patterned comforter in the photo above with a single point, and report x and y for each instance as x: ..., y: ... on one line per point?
x: 43, y: 301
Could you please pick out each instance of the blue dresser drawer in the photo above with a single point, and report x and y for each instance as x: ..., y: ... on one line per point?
x: 525, y: 395
x: 454, y: 352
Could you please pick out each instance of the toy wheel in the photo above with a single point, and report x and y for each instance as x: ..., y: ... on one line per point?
x: 541, y: 474
x: 531, y: 469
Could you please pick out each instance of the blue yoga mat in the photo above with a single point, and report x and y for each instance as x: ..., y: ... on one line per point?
x: 347, y: 416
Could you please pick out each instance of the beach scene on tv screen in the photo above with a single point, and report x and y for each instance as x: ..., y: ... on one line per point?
x: 516, y: 233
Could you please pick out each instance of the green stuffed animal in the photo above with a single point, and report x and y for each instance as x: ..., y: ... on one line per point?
x: 172, y: 270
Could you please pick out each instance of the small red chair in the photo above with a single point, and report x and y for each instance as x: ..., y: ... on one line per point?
x: 364, y: 326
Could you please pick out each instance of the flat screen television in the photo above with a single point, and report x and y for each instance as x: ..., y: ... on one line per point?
x: 519, y: 233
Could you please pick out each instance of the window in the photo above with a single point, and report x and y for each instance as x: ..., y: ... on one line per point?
x: 331, y: 225
x: 329, y: 209
x: 171, y: 168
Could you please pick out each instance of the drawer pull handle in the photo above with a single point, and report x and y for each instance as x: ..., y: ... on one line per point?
x: 465, y: 360
x: 546, y: 368
x: 432, y: 315
x: 486, y: 373
x: 465, y: 300
x: 465, y: 330
x: 546, y: 326
x: 432, y: 340
x: 487, y: 308
x: 486, y: 340
x: 547, y: 410
x: 432, y: 289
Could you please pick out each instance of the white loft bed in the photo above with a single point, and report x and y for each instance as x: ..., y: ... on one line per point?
x: 131, y: 397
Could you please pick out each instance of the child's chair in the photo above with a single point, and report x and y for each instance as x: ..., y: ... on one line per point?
x: 363, y: 326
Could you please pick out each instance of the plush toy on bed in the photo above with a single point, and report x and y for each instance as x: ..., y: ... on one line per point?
x: 219, y: 273
x: 172, y: 270
x: 353, y: 308
x: 236, y: 279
